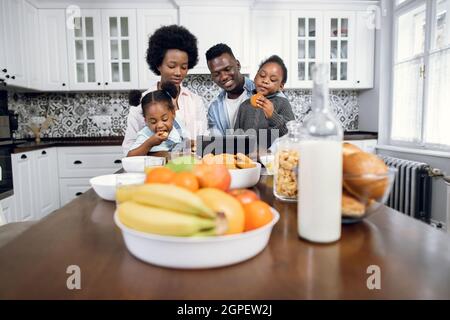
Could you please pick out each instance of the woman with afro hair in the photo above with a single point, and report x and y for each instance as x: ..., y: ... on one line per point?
x: 172, y: 51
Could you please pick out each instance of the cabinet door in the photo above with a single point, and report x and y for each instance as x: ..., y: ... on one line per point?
x: 54, y: 49
x: 148, y: 20
x: 119, y: 49
x: 3, y: 67
x: 70, y: 188
x: 15, y: 58
x: 32, y: 45
x: 47, y: 184
x: 307, y: 46
x: 339, y: 31
x: 212, y: 25
x: 365, y: 49
x: 24, y: 186
x: 270, y: 30
x: 7, y: 207
x: 84, y: 42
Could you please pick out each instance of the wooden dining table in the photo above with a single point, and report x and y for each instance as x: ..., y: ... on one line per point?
x: 386, y: 256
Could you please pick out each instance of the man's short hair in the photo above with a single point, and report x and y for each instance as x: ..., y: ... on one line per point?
x: 218, y: 50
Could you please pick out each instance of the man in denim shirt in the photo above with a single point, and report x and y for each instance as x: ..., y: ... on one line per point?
x: 225, y: 72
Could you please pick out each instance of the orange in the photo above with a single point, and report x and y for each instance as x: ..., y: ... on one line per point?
x: 244, y: 195
x: 257, y: 214
x: 213, y: 176
x: 254, y: 98
x: 186, y: 180
x: 160, y: 175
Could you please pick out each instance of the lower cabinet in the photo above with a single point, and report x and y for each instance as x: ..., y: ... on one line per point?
x: 35, y: 184
x: 46, y: 179
x: 77, y: 165
x: 7, y: 213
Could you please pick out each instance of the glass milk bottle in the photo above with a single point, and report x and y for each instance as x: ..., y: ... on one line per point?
x: 320, y: 173
x: 285, y: 175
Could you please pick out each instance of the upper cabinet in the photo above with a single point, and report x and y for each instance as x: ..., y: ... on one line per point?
x: 102, y: 50
x: 270, y: 37
x: 212, y: 25
x: 52, y: 31
x: 13, y: 64
x: 341, y: 39
x: 148, y: 20
x: 99, y: 47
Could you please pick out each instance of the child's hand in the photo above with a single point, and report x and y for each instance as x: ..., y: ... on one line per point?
x: 159, y: 137
x: 266, y: 105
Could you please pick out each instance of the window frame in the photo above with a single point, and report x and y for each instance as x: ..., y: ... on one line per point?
x: 430, y: 21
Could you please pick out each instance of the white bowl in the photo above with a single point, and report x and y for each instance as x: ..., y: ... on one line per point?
x: 245, y: 178
x: 268, y: 162
x: 134, y: 164
x: 196, y: 253
x: 105, y: 186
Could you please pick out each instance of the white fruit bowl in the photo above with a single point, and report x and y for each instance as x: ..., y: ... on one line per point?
x: 196, y: 253
x: 105, y: 186
x: 245, y: 178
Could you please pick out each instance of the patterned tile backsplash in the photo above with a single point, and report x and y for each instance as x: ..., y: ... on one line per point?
x: 95, y: 114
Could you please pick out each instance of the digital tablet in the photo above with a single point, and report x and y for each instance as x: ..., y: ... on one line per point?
x: 231, y: 144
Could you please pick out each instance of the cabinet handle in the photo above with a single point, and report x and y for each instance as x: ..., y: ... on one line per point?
x: 13, y: 77
x: 98, y: 83
x: 44, y: 152
x: 5, y: 70
x: 24, y: 156
x: 77, y: 162
x: 106, y: 83
x: 78, y: 194
x: 358, y: 81
x: 7, y: 76
x: 63, y: 84
x: 118, y: 161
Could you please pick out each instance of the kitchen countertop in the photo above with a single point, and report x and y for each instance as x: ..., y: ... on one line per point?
x: 31, y: 145
x: 68, y: 142
x: 414, y: 261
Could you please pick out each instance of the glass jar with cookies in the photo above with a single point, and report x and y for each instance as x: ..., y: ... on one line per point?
x: 285, y: 175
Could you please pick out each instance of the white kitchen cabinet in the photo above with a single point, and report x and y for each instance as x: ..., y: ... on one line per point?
x: 84, y: 45
x: 339, y: 48
x: 102, y: 50
x: 212, y: 25
x: 344, y: 40
x: 70, y: 188
x: 14, y: 55
x: 7, y: 210
x: 32, y: 46
x: 52, y: 29
x: 35, y: 180
x: 77, y: 165
x: 270, y: 30
x: 3, y: 67
x: 25, y: 186
x: 47, y: 184
x: 306, y: 46
x: 364, y: 49
x: 147, y: 22
x: 120, y: 68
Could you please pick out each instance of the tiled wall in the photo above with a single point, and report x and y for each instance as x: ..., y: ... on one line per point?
x: 96, y: 114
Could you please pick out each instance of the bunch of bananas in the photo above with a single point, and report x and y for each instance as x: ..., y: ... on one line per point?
x: 167, y: 210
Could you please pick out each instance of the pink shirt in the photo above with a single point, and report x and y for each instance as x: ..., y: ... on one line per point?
x: 191, y: 114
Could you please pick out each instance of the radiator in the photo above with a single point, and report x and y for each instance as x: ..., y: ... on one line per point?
x: 411, y: 192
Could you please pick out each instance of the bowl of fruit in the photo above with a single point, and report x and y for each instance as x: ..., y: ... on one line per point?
x: 184, y: 219
x: 367, y: 183
x: 244, y: 172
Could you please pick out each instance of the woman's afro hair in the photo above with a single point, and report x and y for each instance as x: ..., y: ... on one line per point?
x: 171, y: 37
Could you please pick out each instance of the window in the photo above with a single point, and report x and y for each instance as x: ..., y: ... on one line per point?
x: 421, y: 75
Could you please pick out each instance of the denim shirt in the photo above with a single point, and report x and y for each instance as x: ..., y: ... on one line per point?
x: 218, y: 120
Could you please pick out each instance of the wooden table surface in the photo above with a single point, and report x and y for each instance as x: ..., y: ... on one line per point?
x: 414, y: 261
